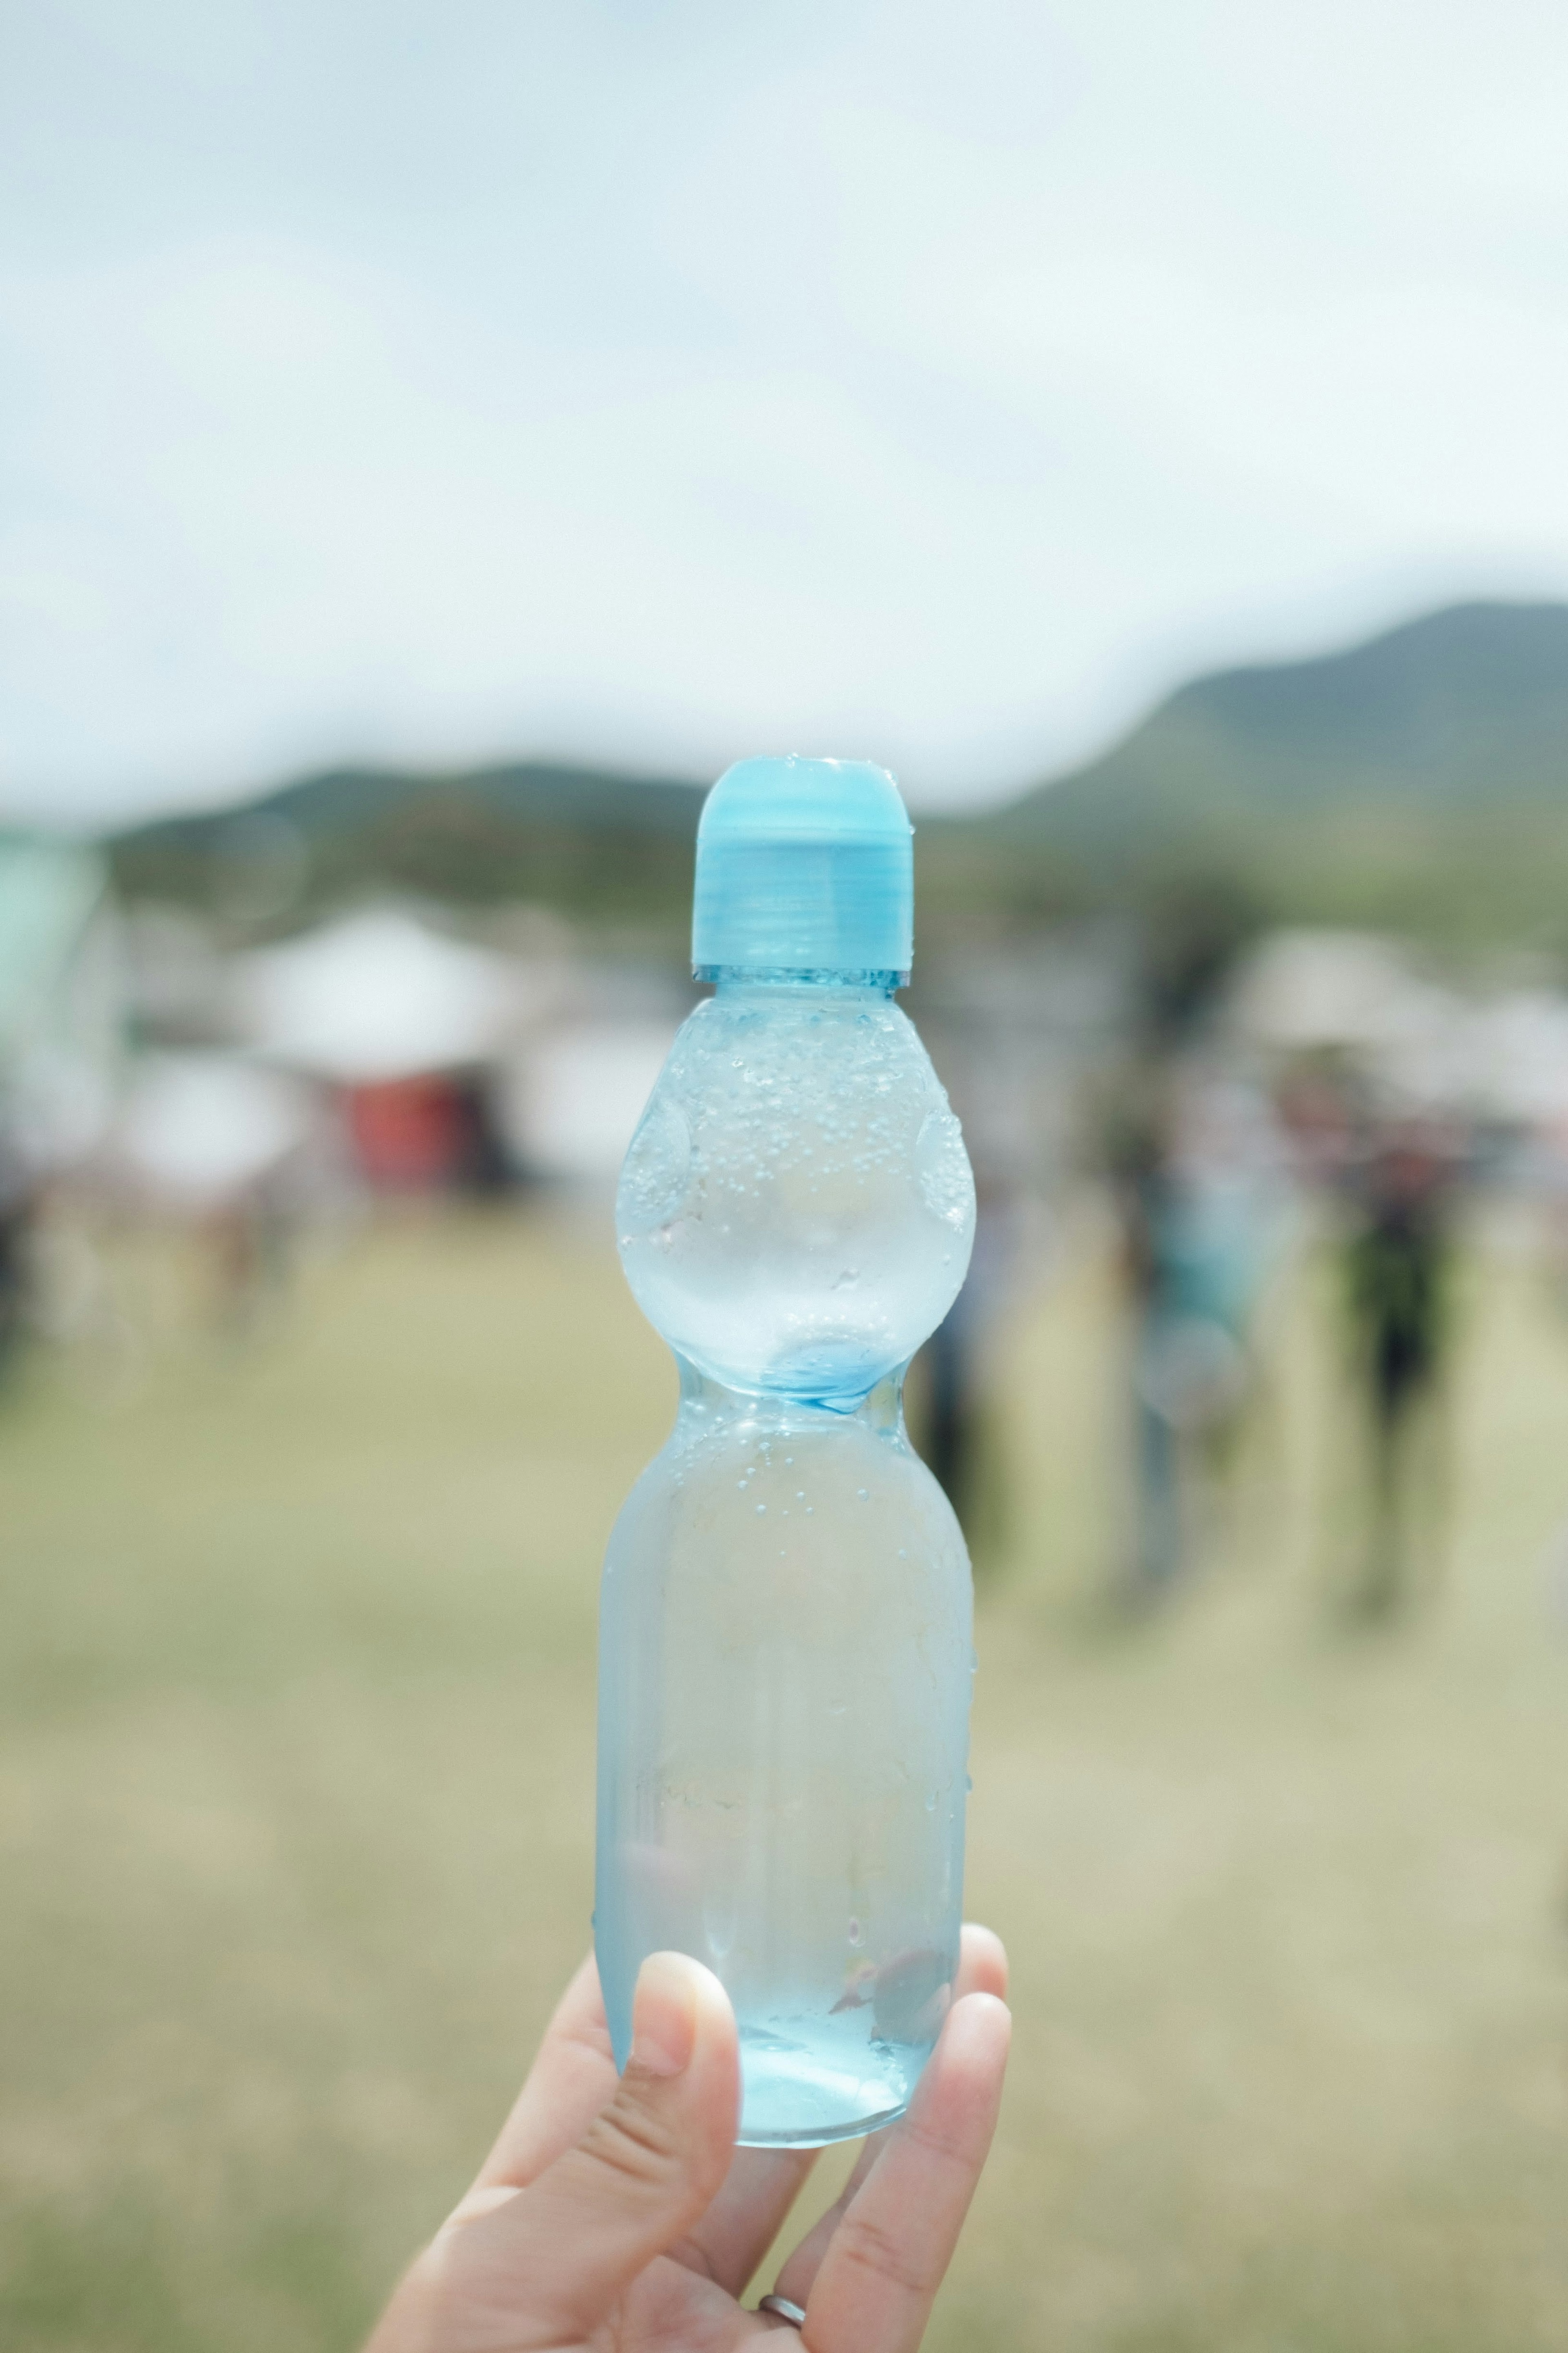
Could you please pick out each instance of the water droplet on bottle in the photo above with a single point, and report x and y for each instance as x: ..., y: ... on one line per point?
x: 864, y: 1494
x: 760, y: 1510
x: 856, y: 1931
x: 931, y: 1802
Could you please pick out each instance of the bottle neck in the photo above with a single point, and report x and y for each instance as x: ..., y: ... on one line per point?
x: 732, y: 980
x: 706, y: 1402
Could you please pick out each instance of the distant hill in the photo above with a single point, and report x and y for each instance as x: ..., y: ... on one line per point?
x: 589, y: 839
x: 1459, y: 710
x: 1419, y: 780
x: 519, y: 793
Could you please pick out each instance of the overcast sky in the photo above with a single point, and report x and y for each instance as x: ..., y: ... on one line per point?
x: 658, y: 380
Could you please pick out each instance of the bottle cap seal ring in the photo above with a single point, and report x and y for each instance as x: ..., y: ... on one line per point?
x: 803, y: 866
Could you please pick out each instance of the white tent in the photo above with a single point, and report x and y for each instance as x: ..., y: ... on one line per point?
x: 1301, y: 990
x: 1517, y: 1053
x: 202, y: 1130
x: 569, y: 1109
x: 1504, y: 1057
x: 379, y: 996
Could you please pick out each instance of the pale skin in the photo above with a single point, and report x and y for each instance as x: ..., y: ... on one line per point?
x: 615, y: 2215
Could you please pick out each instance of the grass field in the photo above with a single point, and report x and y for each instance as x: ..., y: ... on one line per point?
x: 296, y: 1727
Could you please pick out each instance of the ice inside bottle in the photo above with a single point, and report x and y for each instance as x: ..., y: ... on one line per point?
x: 785, y: 1629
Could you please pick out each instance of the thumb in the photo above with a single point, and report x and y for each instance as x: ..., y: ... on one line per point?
x: 649, y: 2164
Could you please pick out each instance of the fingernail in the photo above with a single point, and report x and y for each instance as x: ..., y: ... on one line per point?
x: 664, y: 2014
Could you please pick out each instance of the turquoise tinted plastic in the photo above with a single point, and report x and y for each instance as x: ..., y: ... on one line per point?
x: 803, y: 866
x: 784, y: 1643
x: 784, y: 1673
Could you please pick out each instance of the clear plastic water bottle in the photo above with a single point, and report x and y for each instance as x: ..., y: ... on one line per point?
x: 784, y: 1637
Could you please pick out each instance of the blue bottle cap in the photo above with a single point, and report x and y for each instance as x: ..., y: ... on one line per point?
x: 803, y: 866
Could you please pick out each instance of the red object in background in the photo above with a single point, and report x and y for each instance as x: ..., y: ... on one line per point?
x: 411, y: 1135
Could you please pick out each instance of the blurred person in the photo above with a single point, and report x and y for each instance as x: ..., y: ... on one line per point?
x: 72, y: 1303
x: 17, y: 1214
x: 1319, y: 1101
x: 1551, y: 1174
x: 617, y: 2216
x: 1188, y: 1183
x: 959, y: 1440
x: 1195, y: 1169
x: 485, y: 1170
x: 246, y: 1246
x: 1397, y: 1266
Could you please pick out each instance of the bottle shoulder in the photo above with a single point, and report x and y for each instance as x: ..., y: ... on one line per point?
x: 755, y: 1084
x: 801, y: 1498
x: 796, y: 1208
x: 849, y: 1038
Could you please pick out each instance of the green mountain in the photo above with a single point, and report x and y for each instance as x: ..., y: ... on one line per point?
x: 587, y: 840
x: 1460, y: 710
x: 1420, y: 779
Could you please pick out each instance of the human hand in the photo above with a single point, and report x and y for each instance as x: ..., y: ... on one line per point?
x: 616, y: 2216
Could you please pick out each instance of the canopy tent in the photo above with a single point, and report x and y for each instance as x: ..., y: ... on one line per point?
x: 1502, y: 1056
x: 569, y: 1109
x: 199, y: 1130
x: 378, y: 997
x: 1305, y: 990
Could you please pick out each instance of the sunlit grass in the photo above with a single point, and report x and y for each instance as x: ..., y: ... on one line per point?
x: 296, y: 1672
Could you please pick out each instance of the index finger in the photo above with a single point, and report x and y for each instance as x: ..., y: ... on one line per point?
x: 572, y: 2077
x: 982, y: 1968
x: 877, y: 2276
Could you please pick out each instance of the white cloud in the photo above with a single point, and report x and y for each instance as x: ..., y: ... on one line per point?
x: 664, y: 381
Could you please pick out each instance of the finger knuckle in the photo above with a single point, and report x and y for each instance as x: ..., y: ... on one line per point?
x: 945, y: 2149
x: 632, y: 2140
x: 869, y: 2247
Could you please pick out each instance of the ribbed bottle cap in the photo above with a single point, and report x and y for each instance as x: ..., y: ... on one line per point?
x: 803, y: 866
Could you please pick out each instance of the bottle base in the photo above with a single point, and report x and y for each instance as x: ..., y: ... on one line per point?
x: 806, y: 2082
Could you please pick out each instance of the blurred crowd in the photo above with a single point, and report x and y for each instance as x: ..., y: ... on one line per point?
x: 1245, y: 1104
x: 1231, y: 1099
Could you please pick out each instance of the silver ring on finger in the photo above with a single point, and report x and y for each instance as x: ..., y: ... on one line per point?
x: 784, y: 2309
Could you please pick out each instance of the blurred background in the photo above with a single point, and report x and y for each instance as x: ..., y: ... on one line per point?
x: 432, y: 443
